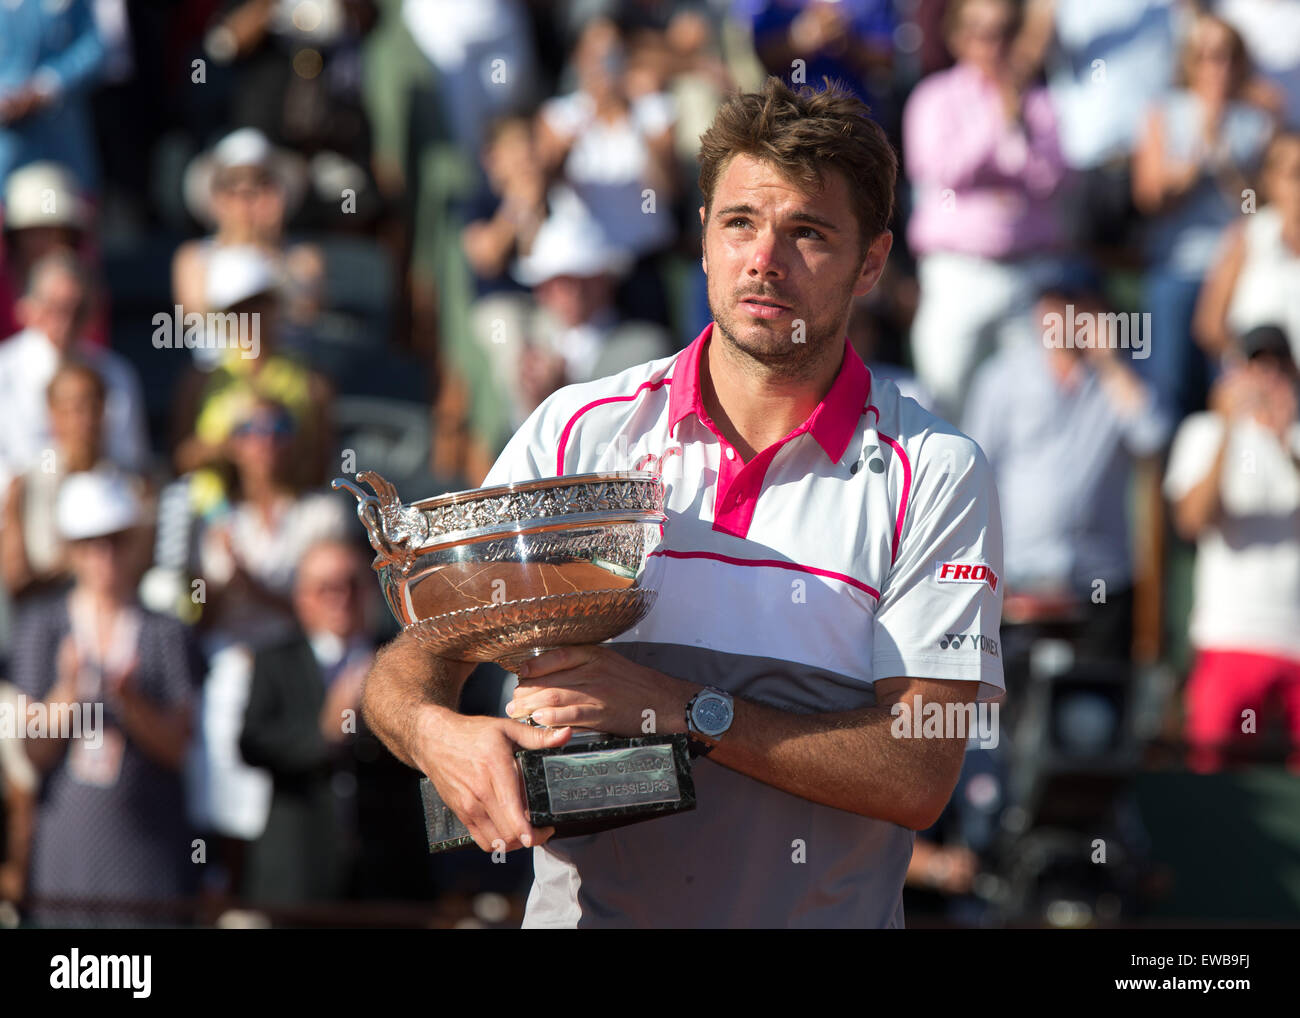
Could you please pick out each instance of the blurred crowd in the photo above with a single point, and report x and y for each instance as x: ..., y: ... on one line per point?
x: 250, y: 245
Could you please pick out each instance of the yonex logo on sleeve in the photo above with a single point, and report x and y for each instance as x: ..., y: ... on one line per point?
x: 965, y: 572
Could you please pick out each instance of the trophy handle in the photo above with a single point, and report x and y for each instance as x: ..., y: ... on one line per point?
x: 383, y: 513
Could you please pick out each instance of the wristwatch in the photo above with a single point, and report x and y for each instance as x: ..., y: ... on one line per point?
x: 708, y: 716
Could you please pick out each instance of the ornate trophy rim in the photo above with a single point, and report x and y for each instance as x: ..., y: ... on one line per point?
x: 400, y: 532
x: 540, y: 525
x: 513, y: 487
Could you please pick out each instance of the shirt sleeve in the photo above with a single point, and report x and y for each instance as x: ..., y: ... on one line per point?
x: 37, y: 638
x: 1145, y: 427
x: 563, y: 115
x: 76, y: 65
x: 654, y: 113
x: 1192, y: 454
x: 127, y: 433
x: 530, y: 453
x: 940, y: 608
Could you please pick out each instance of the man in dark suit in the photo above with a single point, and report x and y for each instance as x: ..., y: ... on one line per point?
x: 332, y: 778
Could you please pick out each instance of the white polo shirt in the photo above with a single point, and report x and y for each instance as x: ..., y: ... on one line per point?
x: 865, y: 544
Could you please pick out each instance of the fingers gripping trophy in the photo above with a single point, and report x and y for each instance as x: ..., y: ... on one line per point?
x: 505, y: 573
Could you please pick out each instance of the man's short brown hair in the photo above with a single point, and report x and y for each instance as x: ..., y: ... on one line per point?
x: 802, y: 134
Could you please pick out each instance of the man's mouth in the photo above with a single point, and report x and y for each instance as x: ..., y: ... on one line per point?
x: 764, y: 307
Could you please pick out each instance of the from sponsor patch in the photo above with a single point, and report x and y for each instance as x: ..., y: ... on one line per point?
x: 965, y: 572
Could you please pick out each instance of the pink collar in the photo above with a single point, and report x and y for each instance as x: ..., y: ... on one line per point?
x: 832, y: 422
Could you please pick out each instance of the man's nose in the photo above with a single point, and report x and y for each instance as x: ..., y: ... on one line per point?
x: 765, y: 259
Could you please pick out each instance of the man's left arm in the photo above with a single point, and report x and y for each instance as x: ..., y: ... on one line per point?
x: 850, y: 760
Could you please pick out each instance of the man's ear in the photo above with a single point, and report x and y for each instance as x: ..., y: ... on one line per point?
x: 23, y: 311
x: 704, y: 256
x: 874, y: 264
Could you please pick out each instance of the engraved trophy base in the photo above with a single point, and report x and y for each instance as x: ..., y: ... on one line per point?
x: 593, y: 783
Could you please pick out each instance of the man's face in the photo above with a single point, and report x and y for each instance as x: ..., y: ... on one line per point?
x: 982, y: 34
x: 76, y: 412
x: 1282, y: 179
x: 328, y: 591
x: 1210, y: 58
x: 33, y: 243
x: 102, y: 564
x: 262, y: 441
x: 56, y: 308
x: 783, y: 265
x: 247, y: 202
x: 574, y: 299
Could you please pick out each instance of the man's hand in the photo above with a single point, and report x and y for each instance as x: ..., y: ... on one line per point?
x: 344, y: 694
x: 471, y: 762
x: 596, y: 687
x: 1120, y: 382
x: 1277, y: 406
x: 1012, y: 96
x: 13, y: 880
x: 541, y: 372
x: 22, y: 104
x: 1234, y: 395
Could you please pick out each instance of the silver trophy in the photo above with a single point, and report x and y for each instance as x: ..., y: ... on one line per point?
x: 505, y: 573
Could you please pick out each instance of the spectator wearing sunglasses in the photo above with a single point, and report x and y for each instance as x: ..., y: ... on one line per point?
x: 248, y: 556
x: 243, y: 282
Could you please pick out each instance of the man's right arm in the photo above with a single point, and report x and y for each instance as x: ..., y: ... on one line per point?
x: 411, y: 697
x: 404, y: 681
x: 410, y: 701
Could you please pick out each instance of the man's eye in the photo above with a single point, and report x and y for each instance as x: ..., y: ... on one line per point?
x: 738, y: 219
x: 809, y: 231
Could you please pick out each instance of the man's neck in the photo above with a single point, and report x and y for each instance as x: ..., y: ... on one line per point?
x: 754, y: 407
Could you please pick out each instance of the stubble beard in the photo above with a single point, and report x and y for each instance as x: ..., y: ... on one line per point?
x: 779, y: 357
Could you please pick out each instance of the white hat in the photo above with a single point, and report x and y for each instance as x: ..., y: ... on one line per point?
x: 44, y: 194
x: 245, y: 147
x: 570, y: 243
x: 237, y: 272
x: 93, y: 503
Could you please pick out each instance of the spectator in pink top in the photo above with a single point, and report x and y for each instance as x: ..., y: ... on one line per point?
x: 982, y: 155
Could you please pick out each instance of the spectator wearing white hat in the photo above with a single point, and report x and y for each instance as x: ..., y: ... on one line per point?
x: 111, y: 821
x: 243, y: 280
x: 44, y: 211
x: 245, y: 189
x: 53, y: 312
x: 575, y: 332
x: 33, y: 557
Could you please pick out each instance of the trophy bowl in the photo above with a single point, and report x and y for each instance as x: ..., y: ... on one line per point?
x: 504, y: 573
x: 507, y: 572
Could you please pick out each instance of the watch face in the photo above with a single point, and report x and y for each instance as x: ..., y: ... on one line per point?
x: 712, y: 714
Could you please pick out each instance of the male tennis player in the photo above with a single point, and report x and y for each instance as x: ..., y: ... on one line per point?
x: 829, y: 575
